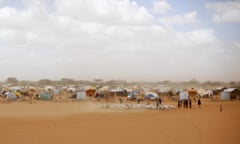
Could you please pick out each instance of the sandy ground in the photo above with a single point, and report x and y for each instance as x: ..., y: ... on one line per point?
x: 82, y: 122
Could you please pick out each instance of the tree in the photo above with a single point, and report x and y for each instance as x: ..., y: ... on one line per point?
x: 98, y: 80
x: 12, y: 80
x: 232, y: 83
x: 43, y: 82
x: 67, y: 81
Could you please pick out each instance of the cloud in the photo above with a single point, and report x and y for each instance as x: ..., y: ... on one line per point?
x: 227, y: 11
x: 106, y: 11
x: 110, y: 39
x: 237, y: 45
x: 160, y: 6
x: 186, y: 18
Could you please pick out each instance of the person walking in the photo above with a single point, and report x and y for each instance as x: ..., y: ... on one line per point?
x: 221, y: 108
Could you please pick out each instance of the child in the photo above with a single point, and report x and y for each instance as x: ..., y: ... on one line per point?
x: 199, y: 103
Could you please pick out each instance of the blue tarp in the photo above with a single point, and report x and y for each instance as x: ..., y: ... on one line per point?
x: 150, y: 96
x: 11, y: 96
x: 225, y: 95
x: 45, y: 96
x: 183, y: 95
x: 81, y: 95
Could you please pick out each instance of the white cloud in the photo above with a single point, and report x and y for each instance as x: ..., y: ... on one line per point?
x: 160, y: 6
x: 110, y: 40
x: 106, y: 11
x: 186, y: 18
x: 227, y: 11
x: 201, y: 38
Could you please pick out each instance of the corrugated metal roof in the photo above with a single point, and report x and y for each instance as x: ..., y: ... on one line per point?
x: 229, y: 89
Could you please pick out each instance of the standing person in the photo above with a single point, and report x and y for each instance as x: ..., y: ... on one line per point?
x: 186, y: 101
x: 157, y: 103
x: 221, y: 108
x: 190, y: 103
x: 160, y: 101
x: 199, y: 103
x: 179, y: 103
x: 120, y: 100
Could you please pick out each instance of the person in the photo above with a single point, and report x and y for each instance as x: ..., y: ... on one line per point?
x: 186, y: 101
x: 157, y: 103
x: 190, y: 103
x: 160, y: 101
x: 179, y: 103
x: 199, y: 103
x: 221, y: 108
x: 120, y: 100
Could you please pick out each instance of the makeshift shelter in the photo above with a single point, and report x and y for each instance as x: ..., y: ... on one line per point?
x: 218, y: 90
x: 164, y: 90
x: 150, y: 96
x: 81, y: 95
x: 230, y: 93
x: 71, y: 90
x: 49, y: 88
x: 133, y: 95
x: 15, y: 88
x: 10, y: 96
x: 46, y: 96
x: 18, y: 94
x: 192, y: 92
x: 90, y: 92
x: 205, y: 93
x: 183, y: 95
x: 118, y: 92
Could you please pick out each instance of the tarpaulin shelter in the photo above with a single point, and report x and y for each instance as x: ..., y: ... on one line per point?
x: 81, y: 95
x: 46, y: 96
x: 10, y: 96
x: 150, y: 96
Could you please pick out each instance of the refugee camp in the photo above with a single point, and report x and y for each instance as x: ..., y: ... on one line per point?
x: 119, y: 71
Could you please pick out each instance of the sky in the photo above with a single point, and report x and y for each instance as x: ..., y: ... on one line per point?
x: 132, y: 40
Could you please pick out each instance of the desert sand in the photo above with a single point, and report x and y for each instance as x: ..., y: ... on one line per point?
x: 83, y: 122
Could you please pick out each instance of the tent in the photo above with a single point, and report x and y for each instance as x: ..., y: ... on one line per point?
x: 46, y: 96
x: 151, y: 96
x: 81, y: 95
x: 71, y: 89
x: 230, y: 93
x: 183, y: 95
x: 225, y: 95
x: 205, y: 93
x: 10, y: 96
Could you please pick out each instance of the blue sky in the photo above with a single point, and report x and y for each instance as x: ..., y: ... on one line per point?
x: 142, y: 40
